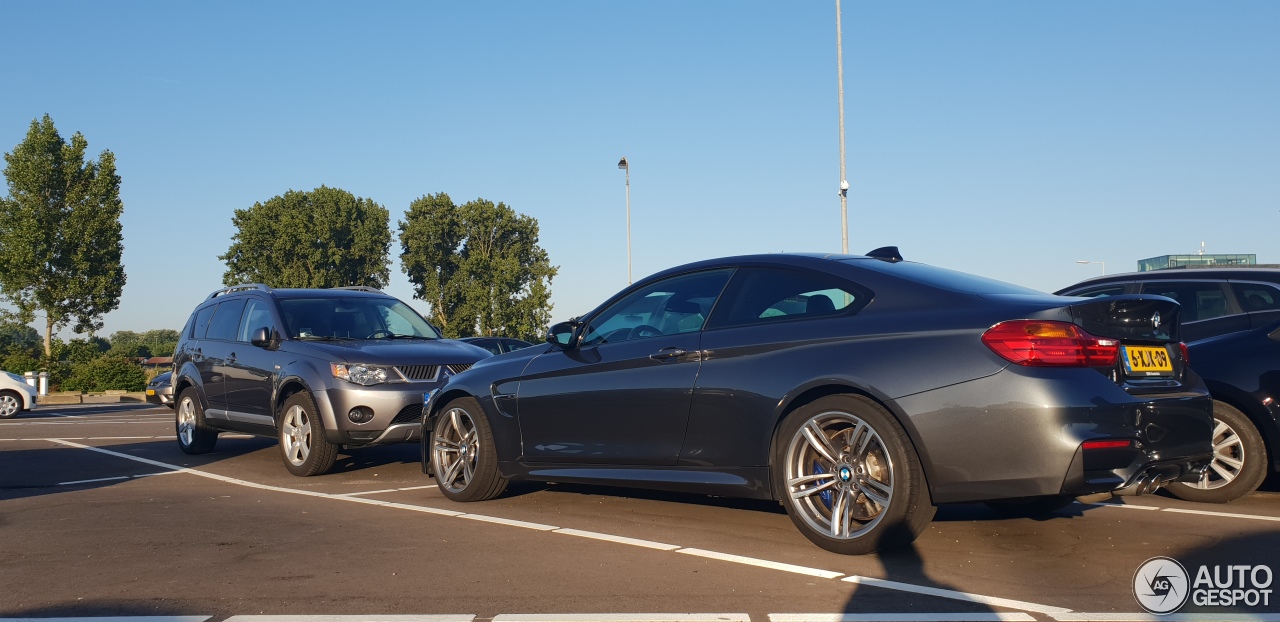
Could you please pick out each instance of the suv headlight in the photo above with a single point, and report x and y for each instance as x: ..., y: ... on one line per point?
x: 366, y: 375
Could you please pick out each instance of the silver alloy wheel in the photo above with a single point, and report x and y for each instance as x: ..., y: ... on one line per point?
x: 187, y: 422
x: 296, y: 435
x: 1228, y: 458
x: 839, y: 475
x: 457, y: 450
x: 9, y: 406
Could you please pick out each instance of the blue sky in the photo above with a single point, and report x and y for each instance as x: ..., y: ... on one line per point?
x: 1008, y: 139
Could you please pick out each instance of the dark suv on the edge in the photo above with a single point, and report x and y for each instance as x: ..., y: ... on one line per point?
x: 316, y: 368
x: 1231, y: 324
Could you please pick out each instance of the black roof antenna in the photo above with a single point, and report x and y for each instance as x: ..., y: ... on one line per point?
x: 886, y: 253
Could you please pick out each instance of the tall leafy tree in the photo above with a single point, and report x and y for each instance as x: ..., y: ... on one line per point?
x: 327, y: 237
x: 478, y: 265
x: 60, y: 236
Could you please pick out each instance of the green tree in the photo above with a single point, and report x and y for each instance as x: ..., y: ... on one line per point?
x: 327, y: 237
x: 478, y: 265
x: 60, y: 237
x: 106, y: 373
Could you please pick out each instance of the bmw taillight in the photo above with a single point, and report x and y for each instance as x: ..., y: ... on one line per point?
x: 1043, y: 343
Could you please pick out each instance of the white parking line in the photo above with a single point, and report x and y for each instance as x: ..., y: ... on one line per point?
x: 110, y: 479
x: 1186, y: 511
x: 622, y: 617
x: 391, y: 618
x: 378, y: 492
x: 1175, y: 617
x: 956, y: 595
x: 763, y: 563
x: 901, y: 617
x: 738, y: 559
x: 648, y: 544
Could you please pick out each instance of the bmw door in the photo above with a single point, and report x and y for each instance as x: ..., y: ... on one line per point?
x: 622, y: 395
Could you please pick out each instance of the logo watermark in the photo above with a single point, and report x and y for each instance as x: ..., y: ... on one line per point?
x: 1162, y: 586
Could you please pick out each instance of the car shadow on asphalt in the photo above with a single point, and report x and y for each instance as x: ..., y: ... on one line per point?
x: 97, y: 607
x: 904, y: 564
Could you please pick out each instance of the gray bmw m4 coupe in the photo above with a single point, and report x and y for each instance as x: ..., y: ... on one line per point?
x: 859, y: 391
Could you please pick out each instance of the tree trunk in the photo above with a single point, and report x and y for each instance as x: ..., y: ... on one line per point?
x: 48, y: 336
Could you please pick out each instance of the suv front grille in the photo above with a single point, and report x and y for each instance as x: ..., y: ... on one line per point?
x: 419, y: 372
x: 409, y: 414
x: 459, y: 367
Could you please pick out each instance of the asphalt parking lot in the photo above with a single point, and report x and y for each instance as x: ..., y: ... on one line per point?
x: 102, y: 515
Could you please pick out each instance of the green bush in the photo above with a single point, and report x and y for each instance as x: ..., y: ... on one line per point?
x: 106, y: 373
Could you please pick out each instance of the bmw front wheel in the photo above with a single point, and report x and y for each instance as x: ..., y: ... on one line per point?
x: 463, y: 455
x: 849, y: 476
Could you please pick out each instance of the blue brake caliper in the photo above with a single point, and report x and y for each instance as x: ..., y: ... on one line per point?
x: 826, y: 494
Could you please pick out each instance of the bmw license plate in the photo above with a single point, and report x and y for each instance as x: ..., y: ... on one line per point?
x: 1147, y: 360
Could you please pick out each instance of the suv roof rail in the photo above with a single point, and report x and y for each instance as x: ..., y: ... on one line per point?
x: 236, y: 288
x: 359, y: 288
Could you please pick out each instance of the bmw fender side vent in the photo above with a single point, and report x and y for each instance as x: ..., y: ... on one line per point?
x: 886, y: 253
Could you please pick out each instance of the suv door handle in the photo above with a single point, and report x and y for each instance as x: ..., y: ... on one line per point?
x: 668, y: 353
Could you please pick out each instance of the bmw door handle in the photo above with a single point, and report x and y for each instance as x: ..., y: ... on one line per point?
x: 668, y: 353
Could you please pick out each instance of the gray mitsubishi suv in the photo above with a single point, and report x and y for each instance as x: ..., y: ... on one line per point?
x: 316, y: 368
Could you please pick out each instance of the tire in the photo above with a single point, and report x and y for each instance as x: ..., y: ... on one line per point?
x: 1032, y: 507
x: 849, y: 476
x: 10, y: 404
x: 1239, y: 460
x: 194, y: 436
x: 463, y: 455
x: 303, y: 447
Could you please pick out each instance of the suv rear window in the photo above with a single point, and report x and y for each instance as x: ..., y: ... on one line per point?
x: 1199, y: 300
x: 201, y: 322
x: 226, y: 320
x: 1257, y: 297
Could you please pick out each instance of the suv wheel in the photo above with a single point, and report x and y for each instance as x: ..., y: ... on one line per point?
x: 10, y: 404
x: 1239, y: 460
x: 463, y: 455
x: 303, y: 446
x: 849, y: 477
x: 194, y: 437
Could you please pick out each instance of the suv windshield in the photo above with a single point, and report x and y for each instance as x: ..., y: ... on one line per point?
x: 363, y: 317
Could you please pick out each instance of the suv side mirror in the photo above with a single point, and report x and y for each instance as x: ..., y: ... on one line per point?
x: 261, y: 337
x: 563, y: 334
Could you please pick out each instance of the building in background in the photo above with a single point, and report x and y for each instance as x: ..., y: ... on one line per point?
x: 1197, y: 260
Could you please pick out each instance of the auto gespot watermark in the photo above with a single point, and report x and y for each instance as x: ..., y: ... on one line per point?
x: 1162, y: 585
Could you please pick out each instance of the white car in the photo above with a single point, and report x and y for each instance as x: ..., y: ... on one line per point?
x: 15, y: 395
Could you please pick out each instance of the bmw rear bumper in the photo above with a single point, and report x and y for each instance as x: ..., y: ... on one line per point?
x: 1025, y: 432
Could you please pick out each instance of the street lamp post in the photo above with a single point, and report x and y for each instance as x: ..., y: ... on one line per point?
x: 844, y: 183
x: 622, y: 164
x: 1100, y: 263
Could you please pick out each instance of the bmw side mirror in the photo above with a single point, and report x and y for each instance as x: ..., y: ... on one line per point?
x: 261, y: 337
x: 562, y: 334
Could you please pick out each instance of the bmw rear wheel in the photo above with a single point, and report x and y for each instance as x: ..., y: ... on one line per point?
x: 463, y: 455
x: 1239, y: 460
x: 849, y: 477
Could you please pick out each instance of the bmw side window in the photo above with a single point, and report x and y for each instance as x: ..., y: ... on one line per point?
x: 763, y: 295
x: 1200, y: 301
x: 677, y: 305
x: 1254, y: 297
x: 226, y: 320
x: 201, y: 323
x: 256, y: 315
